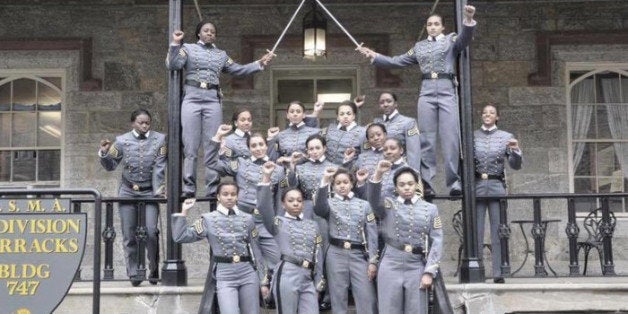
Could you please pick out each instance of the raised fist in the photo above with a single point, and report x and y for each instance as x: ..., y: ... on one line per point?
x: 177, y: 37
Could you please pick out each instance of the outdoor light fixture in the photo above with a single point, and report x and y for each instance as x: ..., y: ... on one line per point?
x: 314, y: 31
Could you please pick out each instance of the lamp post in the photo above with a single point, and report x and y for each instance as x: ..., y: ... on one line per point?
x: 314, y: 33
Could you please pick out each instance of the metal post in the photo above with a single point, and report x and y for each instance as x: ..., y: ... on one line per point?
x: 76, y: 208
x: 572, y: 230
x: 141, y: 234
x: 504, y: 236
x: 538, y: 232
x: 109, y: 234
x: 472, y: 268
x: 608, y: 269
x: 174, y: 272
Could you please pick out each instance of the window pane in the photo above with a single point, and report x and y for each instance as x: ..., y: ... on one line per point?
x: 289, y: 90
x: 56, y: 81
x: 24, y: 165
x: 601, y: 117
x: 49, y: 165
x: 47, y: 98
x: 583, y: 125
x: 617, y: 205
x: 24, y: 129
x: 606, y: 159
x: 624, y: 88
x: 24, y: 95
x: 5, y: 166
x: 334, y: 91
x: 5, y: 129
x: 610, y: 89
x: 617, y: 121
x: 584, y: 166
x: 5, y: 97
x: 583, y: 92
x: 49, y: 133
x: 584, y: 185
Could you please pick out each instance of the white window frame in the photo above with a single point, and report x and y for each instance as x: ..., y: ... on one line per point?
x: 34, y: 74
x: 592, y: 68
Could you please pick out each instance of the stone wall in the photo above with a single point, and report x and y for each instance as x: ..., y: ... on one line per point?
x: 130, y: 41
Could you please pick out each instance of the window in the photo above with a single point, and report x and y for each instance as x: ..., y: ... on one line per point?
x: 598, y: 133
x: 30, y: 124
x: 332, y: 86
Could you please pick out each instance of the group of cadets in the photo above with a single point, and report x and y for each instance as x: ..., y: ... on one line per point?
x: 315, y: 213
x: 333, y: 242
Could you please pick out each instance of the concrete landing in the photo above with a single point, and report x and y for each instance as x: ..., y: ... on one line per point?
x: 579, y: 294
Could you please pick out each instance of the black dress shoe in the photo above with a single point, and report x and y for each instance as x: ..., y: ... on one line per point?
x: 153, y: 278
x: 499, y: 280
x: 185, y: 195
x: 135, y: 282
x: 455, y: 192
x: 324, y: 306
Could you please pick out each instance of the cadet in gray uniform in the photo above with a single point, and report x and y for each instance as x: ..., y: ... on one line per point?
x: 438, y: 102
x: 344, y: 135
x: 247, y: 172
x: 292, y: 139
x: 409, y: 224
x: 492, y: 148
x: 351, y: 260
x: 235, y: 143
x: 232, y: 235
x: 299, y: 276
x: 372, y: 150
x: 143, y: 154
x: 201, y: 110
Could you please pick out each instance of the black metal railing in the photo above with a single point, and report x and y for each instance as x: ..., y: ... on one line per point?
x: 539, y: 225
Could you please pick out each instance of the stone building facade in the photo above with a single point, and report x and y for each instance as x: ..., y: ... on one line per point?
x: 111, y: 54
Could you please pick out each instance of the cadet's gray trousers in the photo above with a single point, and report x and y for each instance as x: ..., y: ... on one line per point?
x: 438, y: 113
x: 294, y: 290
x: 348, y: 268
x: 398, y: 282
x: 237, y: 288
x: 485, y: 188
x: 201, y: 115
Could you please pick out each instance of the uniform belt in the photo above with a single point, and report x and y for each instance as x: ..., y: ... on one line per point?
x: 298, y: 261
x: 203, y: 85
x: 348, y: 245
x: 434, y: 76
x: 136, y: 186
x: 486, y: 176
x: 407, y: 248
x: 231, y: 259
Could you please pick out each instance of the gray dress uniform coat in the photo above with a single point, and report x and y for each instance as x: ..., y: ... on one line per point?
x: 338, y: 141
x: 143, y: 173
x: 388, y: 185
x: 292, y: 139
x: 201, y: 109
x: 438, y: 101
x: 299, y: 276
x: 232, y: 238
x: 405, y: 228
x: 235, y: 145
x: 247, y: 174
x: 353, y: 246
x: 490, y: 153
x: 406, y: 130
x: 367, y: 159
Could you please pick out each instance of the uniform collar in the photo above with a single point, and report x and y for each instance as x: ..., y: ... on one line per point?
x: 340, y: 197
x: 377, y: 150
x: 320, y: 160
x: 240, y: 133
x: 206, y: 45
x: 398, y: 161
x: 402, y: 200
x: 351, y: 126
x: 253, y: 159
x: 437, y: 38
x: 293, y: 217
x: 392, y: 115
x: 494, y: 127
x: 225, y: 211
x: 137, y: 135
x: 298, y: 126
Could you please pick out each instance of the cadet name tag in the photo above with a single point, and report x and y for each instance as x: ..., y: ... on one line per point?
x: 41, y: 248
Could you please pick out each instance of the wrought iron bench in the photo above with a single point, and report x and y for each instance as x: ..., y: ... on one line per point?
x: 596, y: 230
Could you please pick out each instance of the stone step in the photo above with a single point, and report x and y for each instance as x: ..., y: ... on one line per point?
x: 584, y: 294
